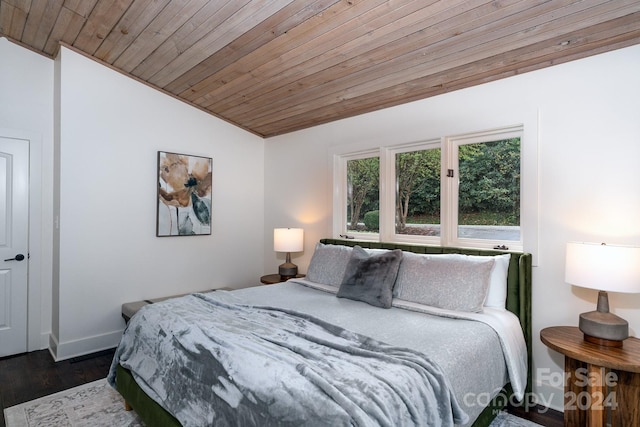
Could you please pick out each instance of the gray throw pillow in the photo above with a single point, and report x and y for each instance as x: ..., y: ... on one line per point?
x: 371, y: 279
x: 328, y: 264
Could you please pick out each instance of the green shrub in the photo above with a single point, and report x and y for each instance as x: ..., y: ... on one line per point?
x: 372, y: 220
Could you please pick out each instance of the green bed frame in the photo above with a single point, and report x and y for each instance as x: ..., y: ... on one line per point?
x: 518, y: 302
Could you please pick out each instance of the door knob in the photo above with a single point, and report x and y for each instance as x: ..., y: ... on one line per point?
x: 18, y: 257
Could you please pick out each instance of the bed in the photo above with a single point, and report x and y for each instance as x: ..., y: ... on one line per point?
x: 456, y: 363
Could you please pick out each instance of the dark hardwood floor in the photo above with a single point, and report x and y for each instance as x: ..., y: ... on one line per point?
x: 540, y: 415
x: 32, y: 375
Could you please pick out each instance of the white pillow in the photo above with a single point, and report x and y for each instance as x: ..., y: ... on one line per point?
x: 497, y: 295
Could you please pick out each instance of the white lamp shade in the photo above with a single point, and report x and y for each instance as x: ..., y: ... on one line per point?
x: 288, y: 239
x: 603, y: 267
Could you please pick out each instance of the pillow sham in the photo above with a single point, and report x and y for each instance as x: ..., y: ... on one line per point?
x: 451, y: 281
x: 328, y: 264
x: 370, y: 278
x: 497, y: 294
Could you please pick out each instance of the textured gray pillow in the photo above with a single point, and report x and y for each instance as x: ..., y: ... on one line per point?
x: 328, y: 264
x: 371, y: 279
x: 453, y: 282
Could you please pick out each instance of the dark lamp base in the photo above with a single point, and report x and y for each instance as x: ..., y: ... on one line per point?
x: 604, y: 328
x: 287, y: 270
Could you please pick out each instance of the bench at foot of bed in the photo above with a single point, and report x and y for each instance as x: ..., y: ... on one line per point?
x: 131, y: 308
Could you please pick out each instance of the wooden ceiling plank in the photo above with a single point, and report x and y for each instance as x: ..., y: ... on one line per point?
x: 169, y: 21
x: 102, y: 19
x: 18, y: 22
x: 23, y: 5
x: 251, y: 68
x: 12, y: 21
x: 442, y: 42
x: 512, y: 63
x: 69, y: 23
x: 290, y: 67
x: 276, y: 25
x: 6, y: 14
x: 251, y: 40
x: 66, y: 28
x: 262, y: 63
x: 360, y: 52
x: 352, y: 66
x: 359, y: 66
x: 204, y: 22
x: 414, y: 65
x: 242, y: 21
x: 532, y: 57
x: 319, y: 51
x: 582, y: 42
x: 374, y: 102
x: 34, y: 16
x: 599, y: 48
x: 46, y: 23
x: 133, y: 22
x: 81, y: 7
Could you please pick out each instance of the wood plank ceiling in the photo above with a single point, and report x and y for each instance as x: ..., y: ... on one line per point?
x: 275, y: 66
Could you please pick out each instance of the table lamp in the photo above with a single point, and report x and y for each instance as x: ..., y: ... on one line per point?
x: 606, y: 268
x: 288, y: 240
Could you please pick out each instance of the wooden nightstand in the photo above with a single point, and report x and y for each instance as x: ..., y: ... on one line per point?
x: 270, y: 279
x: 598, y: 379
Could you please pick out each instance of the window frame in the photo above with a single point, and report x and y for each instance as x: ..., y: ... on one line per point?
x: 388, y: 231
x: 527, y: 131
x: 451, y: 185
x: 340, y: 183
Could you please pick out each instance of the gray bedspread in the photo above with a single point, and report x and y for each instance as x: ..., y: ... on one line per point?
x: 211, y: 361
x: 470, y: 352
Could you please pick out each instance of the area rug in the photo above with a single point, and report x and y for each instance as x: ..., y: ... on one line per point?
x: 97, y: 404
x: 94, y: 404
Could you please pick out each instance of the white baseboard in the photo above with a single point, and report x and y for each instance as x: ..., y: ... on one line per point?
x: 81, y: 347
x: 53, y: 345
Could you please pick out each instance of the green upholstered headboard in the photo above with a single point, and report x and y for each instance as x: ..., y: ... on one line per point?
x: 518, y: 280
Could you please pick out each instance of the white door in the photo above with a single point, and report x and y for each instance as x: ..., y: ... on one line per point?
x: 14, y: 228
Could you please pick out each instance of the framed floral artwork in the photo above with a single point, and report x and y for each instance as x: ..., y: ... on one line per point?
x: 184, y: 195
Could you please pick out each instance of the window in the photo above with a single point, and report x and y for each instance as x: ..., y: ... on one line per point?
x: 415, y: 170
x: 363, y: 195
x: 484, y: 182
x: 358, y: 191
x: 455, y: 191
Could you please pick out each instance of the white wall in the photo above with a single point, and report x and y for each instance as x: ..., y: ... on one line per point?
x: 111, y: 128
x: 588, y: 181
x: 26, y: 107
